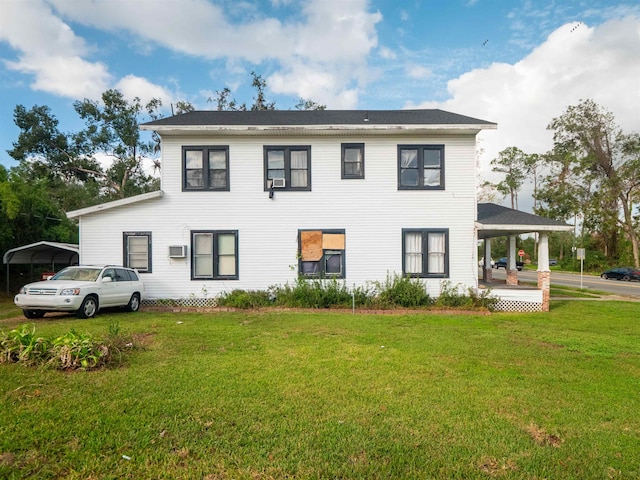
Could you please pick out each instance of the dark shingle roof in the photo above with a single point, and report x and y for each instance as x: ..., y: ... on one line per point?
x: 319, y: 117
x: 492, y: 214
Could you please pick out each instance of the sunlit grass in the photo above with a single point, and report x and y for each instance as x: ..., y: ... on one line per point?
x: 334, y: 395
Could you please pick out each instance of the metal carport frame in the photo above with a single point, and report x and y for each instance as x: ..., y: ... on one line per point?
x: 41, y: 253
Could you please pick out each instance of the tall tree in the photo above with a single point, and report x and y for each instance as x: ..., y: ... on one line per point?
x: 511, y: 162
x: 111, y: 135
x: 225, y: 101
x: 602, y: 166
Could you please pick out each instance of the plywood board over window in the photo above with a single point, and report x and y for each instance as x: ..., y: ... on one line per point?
x: 333, y: 241
x: 311, y: 245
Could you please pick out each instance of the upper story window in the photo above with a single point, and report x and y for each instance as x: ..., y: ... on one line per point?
x: 205, y: 168
x: 352, y: 160
x: 288, y: 168
x: 425, y: 252
x: 137, y: 250
x: 421, y: 167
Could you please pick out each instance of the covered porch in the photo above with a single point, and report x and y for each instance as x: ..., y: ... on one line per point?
x: 498, y: 221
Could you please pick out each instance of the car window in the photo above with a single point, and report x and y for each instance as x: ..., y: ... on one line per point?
x: 81, y: 274
x: 122, y: 275
x: 109, y: 272
x: 133, y: 275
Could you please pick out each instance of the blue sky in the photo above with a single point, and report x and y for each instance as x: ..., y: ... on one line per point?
x: 515, y: 62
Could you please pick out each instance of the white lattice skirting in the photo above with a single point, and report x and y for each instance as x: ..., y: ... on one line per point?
x: 517, y: 306
x: 518, y: 300
x: 181, y: 302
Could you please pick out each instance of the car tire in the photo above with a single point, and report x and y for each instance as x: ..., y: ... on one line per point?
x: 626, y: 278
x: 604, y: 276
x: 89, y: 307
x: 134, y: 303
x: 31, y: 314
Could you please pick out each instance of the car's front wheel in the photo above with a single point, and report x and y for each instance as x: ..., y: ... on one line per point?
x: 134, y: 303
x: 89, y: 307
x: 605, y: 276
x: 30, y: 314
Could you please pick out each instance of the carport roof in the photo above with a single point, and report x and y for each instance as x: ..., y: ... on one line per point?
x: 498, y: 221
x: 41, y: 253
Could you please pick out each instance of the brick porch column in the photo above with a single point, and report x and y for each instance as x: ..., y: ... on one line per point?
x: 512, y: 277
x: 544, y: 284
x: 488, y: 275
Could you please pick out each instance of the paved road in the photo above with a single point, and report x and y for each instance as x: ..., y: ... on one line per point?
x: 589, y: 282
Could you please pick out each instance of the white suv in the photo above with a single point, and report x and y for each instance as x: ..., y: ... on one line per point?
x: 83, y: 290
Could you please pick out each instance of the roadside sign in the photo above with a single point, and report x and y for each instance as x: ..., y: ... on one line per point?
x: 521, y: 253
x: 580, y: 255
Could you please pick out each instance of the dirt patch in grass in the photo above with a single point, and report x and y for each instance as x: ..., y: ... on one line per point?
x: 541, y: 437
x: 143, y: 339
x: 7, y: 458
x: 495, y: 468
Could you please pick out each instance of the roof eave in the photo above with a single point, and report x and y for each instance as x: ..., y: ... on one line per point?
x: 116, y: 203
x: 317, y: 129
x: 498, y: 230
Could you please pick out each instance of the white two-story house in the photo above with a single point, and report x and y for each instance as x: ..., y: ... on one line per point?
x: 254, y: 199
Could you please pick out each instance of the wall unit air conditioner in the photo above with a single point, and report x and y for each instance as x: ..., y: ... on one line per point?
x: 177, y: 251
x: 278, y: 183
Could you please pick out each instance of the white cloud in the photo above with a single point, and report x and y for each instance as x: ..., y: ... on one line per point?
x: 132, y: 86
x: 387, y: 53
x: 311, y: 82
x: 329, y: 38
x: 50, y: 51
x: 418, y: 72
x: 601, y: 63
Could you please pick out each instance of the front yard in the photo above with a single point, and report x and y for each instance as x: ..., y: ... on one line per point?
x: 321, y: 394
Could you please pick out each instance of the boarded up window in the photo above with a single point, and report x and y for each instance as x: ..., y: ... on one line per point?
x: 322, y: 253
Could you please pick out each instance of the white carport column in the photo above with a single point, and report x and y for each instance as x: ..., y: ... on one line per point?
x: 512, y: 271
x: 487, y: 273
x: 544, y: 274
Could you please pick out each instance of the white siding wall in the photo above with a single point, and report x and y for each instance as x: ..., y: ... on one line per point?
x: 372, y: 212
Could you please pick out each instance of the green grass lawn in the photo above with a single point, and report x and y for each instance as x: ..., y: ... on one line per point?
x: 323, y: 394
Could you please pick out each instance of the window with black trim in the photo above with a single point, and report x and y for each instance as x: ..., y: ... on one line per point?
x: 137, y: 250
x: 205, y: 168
x: 425, y: 252
x: 321, y: 253
x: 214, y: 255
x: 287, y: 167
x: 352, y: 160
x: 421, y: 167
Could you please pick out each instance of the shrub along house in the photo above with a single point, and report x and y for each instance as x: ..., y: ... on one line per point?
x: 254, y: 199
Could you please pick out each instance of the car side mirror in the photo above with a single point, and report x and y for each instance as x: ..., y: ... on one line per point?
x: 107, y: 279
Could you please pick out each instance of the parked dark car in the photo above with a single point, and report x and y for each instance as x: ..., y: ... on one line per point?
x: 502, y: 263
x: 622, y: 273
x: 553, y: 262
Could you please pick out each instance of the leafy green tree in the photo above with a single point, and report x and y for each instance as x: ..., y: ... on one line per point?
x: 599, y: 173
x: 28, y: 213
x: 512, y: 163
x: 224, y: 100
x: 111, y: 134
